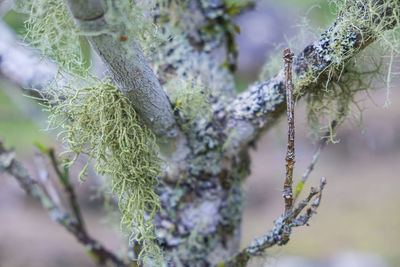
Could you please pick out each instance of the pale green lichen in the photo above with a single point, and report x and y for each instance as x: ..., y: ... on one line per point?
x: 135, y: 18
x: 191, y: 98
x: 96, y: 120
x: 51, y: 28
x: 348, y: 70
x: 338, y: 100
x: 94, y: 117
x: 379, y: 21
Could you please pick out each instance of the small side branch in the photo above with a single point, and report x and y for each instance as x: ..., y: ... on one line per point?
x: 291, y: 217
x: 22, y: 66
x: 97, y: 251
x: 63, y: 177
x: 280, y: 233
x: 321, y: 145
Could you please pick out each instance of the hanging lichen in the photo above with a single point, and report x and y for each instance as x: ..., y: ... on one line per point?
x: 51, y: 28
x: 99, y: 122
x: 347, y: 70
x: 93, y: 116
x: 135, y: 17
x: 346, y: 78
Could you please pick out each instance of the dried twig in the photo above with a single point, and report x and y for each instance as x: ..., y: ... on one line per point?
x: 33, y: 188
x: 303, y: 219
x: 290, y: 154
x: 280, y: 233
x: 63, y: 177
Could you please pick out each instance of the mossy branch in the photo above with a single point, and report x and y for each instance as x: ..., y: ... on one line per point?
x: 320, y: 68
x: 126, y: 63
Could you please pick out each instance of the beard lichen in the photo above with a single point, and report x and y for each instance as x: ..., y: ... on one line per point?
x: 347, y: 70
x: 136, y: 18
x: 340, y: 98
x: 51, y: 29
x: 93, y: 116
x: 359, y: 23
x: 98, y: 121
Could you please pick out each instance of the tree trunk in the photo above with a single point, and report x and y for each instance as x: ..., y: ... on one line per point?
x: 202, y: 201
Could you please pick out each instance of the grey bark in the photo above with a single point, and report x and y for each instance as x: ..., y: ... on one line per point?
x: 129, y: 68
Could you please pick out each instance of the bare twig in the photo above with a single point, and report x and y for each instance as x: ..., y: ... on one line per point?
x: 303, y: 219
x: 290, y: 154
x: 280, y: 233
x: 321, y: 145
x: 63, y: 177
x: 95, y: 249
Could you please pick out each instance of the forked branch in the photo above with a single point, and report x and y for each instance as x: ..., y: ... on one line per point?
x: 291, y: 217
x: 71, y: 223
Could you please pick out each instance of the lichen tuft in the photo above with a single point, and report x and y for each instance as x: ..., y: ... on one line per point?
x: 358, y: 24
x: 51, y: 28
x: 93, y: 116
x: 191, y: 98
x: 96, y: 120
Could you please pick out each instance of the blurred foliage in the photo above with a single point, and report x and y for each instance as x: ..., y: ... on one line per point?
x: 16, y: 129
x: 319, y: 12
x: 15, y: 21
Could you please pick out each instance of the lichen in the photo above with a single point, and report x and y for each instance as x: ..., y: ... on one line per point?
x: 136, y: 20
x: 338, y: 100
x: 191, y: 98
x: 96, y: 120
x: 348, y: 70
x: 336, y: 55
x: 51, y: 28
x: 93, y: 116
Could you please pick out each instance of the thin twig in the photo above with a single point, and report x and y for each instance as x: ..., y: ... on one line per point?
x: 63, y: 176
x: 303, y: 203
x: 280, y: 233
x: 95, y: 249
x: 45, y: 182
x: 321, y: 145
x: 290, y: 154
x: 303, y: 220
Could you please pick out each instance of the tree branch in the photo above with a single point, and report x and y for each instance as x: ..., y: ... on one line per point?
x: 127, y: 65
x: 280, y: 233
x: 291, y: 217
x: 260, y: 106
x: 290, y: 153
x: 23, y: 66
x: 14, y: 168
